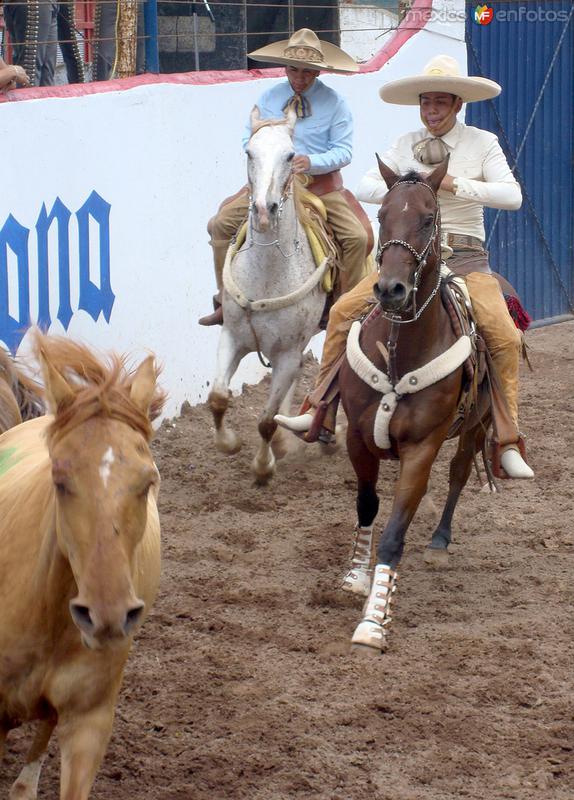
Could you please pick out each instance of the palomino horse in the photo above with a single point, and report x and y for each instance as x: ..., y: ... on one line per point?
x: 273, y: 300
x: 401, y: 399
x: 79, y: 556
x: 20, y: 396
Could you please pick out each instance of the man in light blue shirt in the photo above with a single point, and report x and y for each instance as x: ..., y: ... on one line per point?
x: 323, y: 139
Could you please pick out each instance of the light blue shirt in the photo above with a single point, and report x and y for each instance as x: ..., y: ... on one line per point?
x: 326, y: 136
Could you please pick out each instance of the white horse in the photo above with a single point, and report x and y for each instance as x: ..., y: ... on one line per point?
x: 272, y: 298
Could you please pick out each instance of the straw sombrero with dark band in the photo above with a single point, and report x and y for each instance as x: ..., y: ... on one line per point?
x: 304, y: 49
x: 441, y: 74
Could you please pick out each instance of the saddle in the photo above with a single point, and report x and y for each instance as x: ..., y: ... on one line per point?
x: 312, y: 215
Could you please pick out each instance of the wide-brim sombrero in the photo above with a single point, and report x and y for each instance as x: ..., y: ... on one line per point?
x: 304, y: 49
x: 441, y: 74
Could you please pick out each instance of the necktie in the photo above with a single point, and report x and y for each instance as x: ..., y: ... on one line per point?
x: 300, y: 105
x: 430, y: 151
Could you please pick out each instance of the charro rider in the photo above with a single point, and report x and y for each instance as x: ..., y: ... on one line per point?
x: 323, y: 138
x: 478, y: 176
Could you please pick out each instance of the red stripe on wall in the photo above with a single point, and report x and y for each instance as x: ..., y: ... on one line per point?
x: 414, y: 21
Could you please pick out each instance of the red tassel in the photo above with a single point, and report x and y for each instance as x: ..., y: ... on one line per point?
x: 522, y: 318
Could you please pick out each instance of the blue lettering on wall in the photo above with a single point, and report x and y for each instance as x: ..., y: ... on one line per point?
x: 14, y: 236
x: 94, y: 299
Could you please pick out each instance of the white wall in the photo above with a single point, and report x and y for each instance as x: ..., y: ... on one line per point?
x: 163, y: 156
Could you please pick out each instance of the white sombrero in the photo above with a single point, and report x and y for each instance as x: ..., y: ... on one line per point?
x: 305, y: 49
x: 441, y: 74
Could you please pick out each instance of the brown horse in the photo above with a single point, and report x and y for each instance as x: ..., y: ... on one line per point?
x: 401, y: 397
x: 21, y: 398
x: 79, y: 556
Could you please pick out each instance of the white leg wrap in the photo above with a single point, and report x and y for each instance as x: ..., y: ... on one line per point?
x: 358, y: 578
x: 371, y: 630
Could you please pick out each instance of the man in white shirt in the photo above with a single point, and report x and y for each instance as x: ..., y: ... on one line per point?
x: 323, y: 139
x: 478, y: 176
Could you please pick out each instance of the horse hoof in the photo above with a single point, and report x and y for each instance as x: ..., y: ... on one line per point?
x: 369, y: 635
x: 228, y: 443
x: 264, y: 480
x: 365, y: 652
x: 436, y: 557
x: 329, y: 448
x: 263, y: 472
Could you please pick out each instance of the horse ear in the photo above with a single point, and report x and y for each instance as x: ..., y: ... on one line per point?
x: 436, y: 176
x: 387, y: 174
x: 143, y: 385
x: 255, y: 117
x: 291, y: 116
x: 58, y: 390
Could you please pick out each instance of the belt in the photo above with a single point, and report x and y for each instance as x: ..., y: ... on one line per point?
x: 457, y: 240
x: 323, y: 184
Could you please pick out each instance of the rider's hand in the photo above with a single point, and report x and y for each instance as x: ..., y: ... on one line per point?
x: 447, y: 184
x: 300, y: 164
x: 20, y: 76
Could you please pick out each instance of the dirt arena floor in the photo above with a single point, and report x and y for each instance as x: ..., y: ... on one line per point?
x: 241, y: 684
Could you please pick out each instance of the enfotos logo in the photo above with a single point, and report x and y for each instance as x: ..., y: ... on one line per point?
x: 483, y: 15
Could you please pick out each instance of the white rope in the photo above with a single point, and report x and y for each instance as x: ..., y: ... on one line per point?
x: 410, y: 383
x: 270, y: 303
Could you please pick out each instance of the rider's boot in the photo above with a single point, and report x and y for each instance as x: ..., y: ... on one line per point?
x: 217, y: 317
x: 358, y: 578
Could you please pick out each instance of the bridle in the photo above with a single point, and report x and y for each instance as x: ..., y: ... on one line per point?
x: 285, y: 194
x: 421, y: 258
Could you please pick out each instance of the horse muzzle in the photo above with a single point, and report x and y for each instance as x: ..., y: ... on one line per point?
x: 392, y: 294
x: 100, y: 627
x: 265, y: 216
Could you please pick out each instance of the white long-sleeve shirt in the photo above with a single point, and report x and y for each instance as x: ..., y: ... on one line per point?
x: 483, y: 177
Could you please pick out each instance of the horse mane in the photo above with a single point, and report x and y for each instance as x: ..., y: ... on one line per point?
x: 27, y: 392
x: 99, y: 388
x: 266, y: 123
x: 412, y: 176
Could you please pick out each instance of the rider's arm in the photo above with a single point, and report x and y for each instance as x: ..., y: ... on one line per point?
x: 499, y: 188
x: 339, y: 140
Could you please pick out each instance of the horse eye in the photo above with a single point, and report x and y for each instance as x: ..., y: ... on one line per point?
x: 61, y: 488
x: 248, y: 154
x: 291, y: 156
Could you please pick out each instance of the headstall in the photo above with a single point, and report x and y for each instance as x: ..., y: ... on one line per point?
x: 421, y: 258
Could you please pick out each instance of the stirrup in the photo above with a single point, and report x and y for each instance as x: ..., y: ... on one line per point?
x: 510, y: 461
x: 212, y: 319
x: 307, y: 426
x: 514, y: 465
x: 299, y: 424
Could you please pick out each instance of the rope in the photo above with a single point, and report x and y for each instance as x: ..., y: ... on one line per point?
x: 269, y: 303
